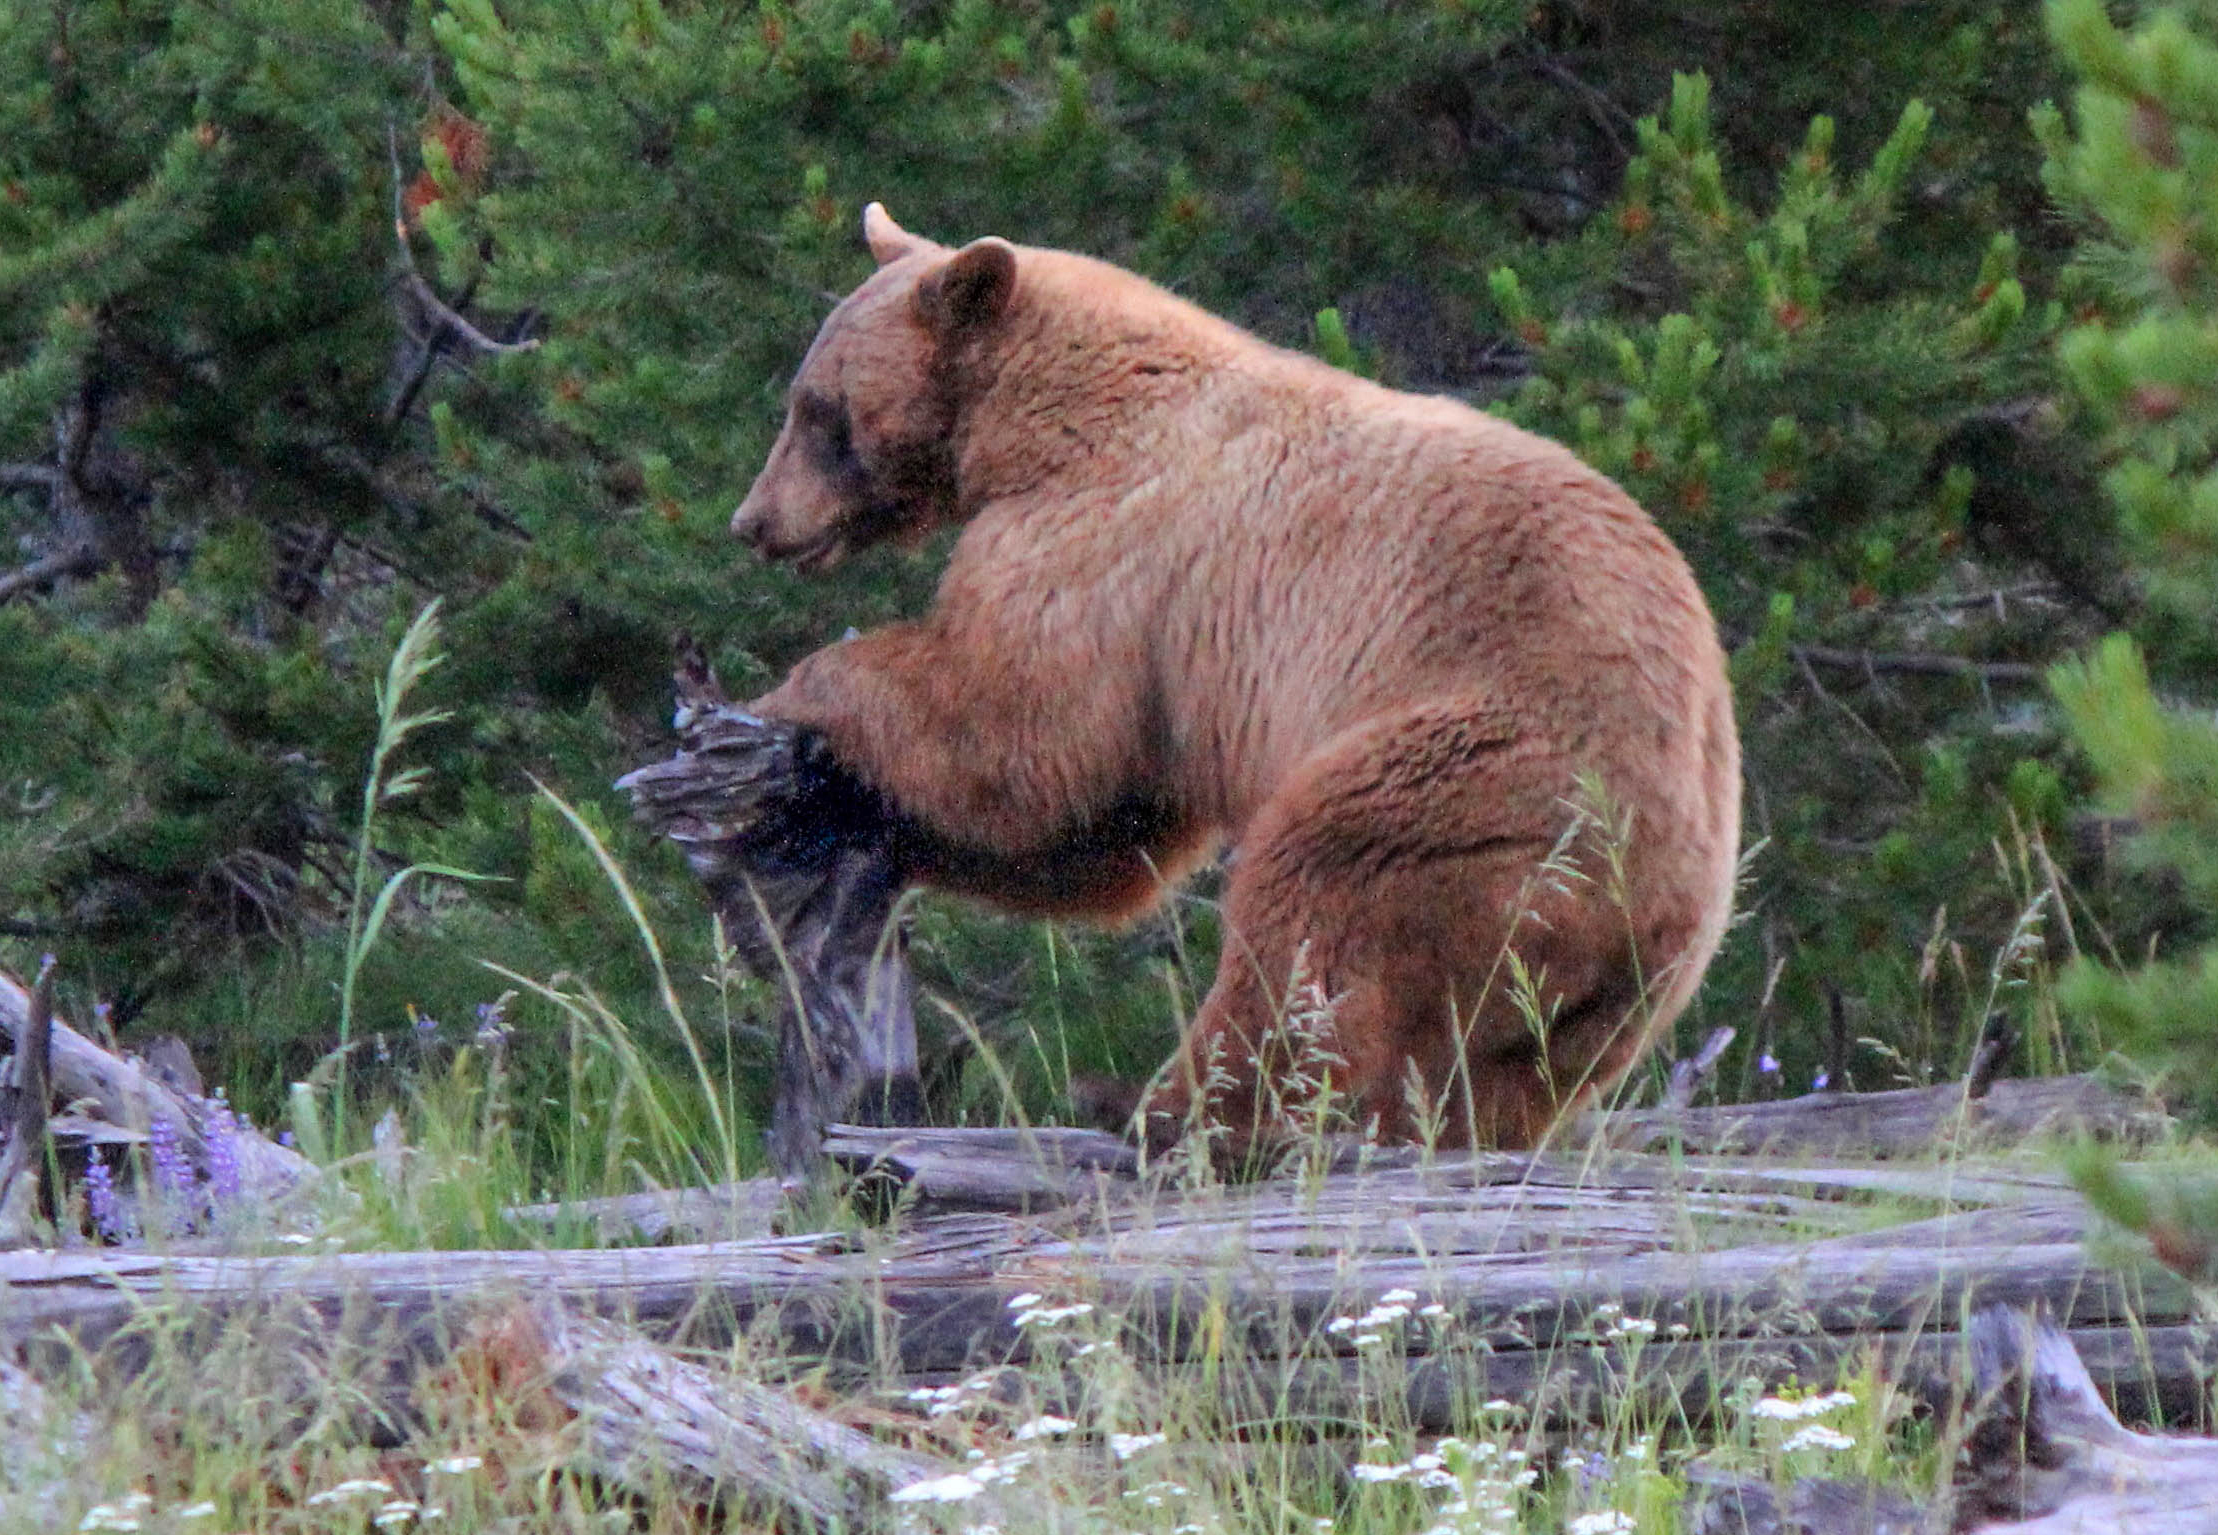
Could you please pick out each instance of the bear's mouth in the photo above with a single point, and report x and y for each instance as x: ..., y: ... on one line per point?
x: 819, y: 554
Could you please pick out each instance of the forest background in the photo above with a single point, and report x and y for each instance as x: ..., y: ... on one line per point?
x: 314, y: 311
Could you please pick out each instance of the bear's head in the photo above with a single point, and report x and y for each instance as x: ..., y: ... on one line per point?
x: 868, y: 449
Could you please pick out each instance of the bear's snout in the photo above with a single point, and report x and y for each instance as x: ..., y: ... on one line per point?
x: 751, y: 519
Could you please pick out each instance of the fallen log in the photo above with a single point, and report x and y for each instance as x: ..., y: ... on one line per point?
x: 1526, y: 1264
x: 660, y: 1424
x: 2041, y: 1454
x: 125, y: 1094
x: 2049, y: 1454
x: 1903, y: 1122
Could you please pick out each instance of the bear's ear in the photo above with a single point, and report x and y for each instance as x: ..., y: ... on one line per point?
x: 888, y: 241
x: 971, y: 289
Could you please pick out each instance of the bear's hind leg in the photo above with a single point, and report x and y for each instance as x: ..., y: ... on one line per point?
x: 1457, y: 989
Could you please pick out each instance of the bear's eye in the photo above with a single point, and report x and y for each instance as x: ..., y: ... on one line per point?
x: 831, y: 431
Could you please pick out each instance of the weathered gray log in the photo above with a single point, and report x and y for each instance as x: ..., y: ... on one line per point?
x: 2042, y: 1455
x: 800, y: 873
x: 1522, y: 1254
x: 1722, y: 1504
x: 656, y: 1421
x: 2047, y: 1457
x: 953, y: 1170
x: 722, y: 1212
x: 123, y: 1093
x: 1905, y: 1122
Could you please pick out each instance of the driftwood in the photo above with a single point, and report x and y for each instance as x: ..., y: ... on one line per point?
x: 795, y: 861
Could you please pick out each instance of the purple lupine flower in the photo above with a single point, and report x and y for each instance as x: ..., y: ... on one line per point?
x: 109, y: 1216
x: 492, y: 1023
x: 1768, y: 1064
x: 173, y: 1171
x: 225, y: 1181
x: 1817, y: 1083
x: 175, y: 1183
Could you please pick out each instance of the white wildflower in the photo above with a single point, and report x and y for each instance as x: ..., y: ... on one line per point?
x: 1609, y: 1521
x: 106, y: 1516
x: 1365, y: 1472
x: 455, y: 1465
x: 1500, y: 1404
x: 957, y: 1488
x: 1398, y: 1297
x: 1340, y: 1324
x: 395, y: 1515
x: 360, y: 1487
x: 197, y: 1511
x: 1368, y: 1339
x: 1632, y: 1327
x: 1041, y: 1427
x: 1026, y: 1301
x: 1125, y: 1446
x: 1778, y: 1409
x: 1816, y: 1436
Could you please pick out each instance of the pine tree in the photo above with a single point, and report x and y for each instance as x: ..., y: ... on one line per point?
x: 2137, y: 163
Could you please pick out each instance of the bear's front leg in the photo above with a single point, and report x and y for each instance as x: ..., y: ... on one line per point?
x: 1009, y: 770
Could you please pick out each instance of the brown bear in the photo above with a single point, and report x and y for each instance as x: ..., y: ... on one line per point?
x: 1453, y: 700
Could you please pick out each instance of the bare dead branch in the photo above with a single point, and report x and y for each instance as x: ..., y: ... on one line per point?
x: 80, y: 559
x: 29, y: 476
x: 1915, y: 663
x: 448, y: 319
x: 1688, y: 1076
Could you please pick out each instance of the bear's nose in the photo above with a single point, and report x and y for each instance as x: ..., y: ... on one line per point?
x: 749, y: 522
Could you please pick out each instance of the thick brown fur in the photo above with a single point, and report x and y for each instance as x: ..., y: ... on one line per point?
x: 1208, y: 591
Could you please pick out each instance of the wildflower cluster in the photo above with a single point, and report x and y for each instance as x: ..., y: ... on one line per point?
x: 176, y: 1198
x: 1804, y: 1410
x: 1612, y: 1325
x: 944, y: 1401
x: 962, y: 1486
x: 1394, y: 1308
x: 1485, y: 1483
x: 125, y: 1514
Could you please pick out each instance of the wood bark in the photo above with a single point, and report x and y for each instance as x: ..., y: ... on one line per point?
x: 806, y: 892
